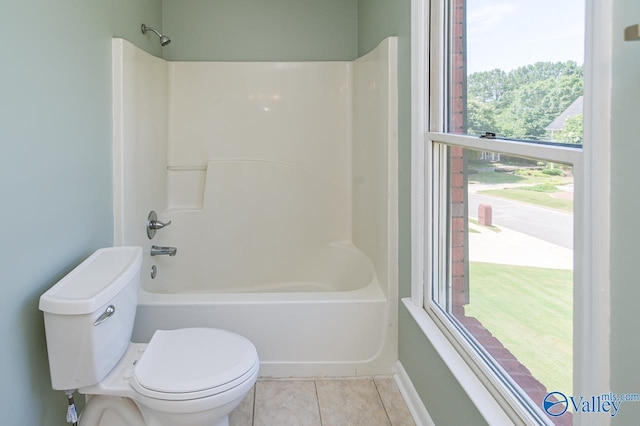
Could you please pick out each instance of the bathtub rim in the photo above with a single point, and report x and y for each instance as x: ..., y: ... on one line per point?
x: 372, y: 292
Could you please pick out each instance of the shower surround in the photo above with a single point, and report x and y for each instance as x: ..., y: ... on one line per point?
x: 280, y: 182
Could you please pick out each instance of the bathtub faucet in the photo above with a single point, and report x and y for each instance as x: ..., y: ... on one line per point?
x: 161, y: 251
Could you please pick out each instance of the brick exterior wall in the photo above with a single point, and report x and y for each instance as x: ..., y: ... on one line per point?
x: 457, y: 168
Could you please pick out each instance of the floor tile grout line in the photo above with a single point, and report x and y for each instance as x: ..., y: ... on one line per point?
x: 315, y: 385
x: 253, y: 411
x: 384, y: 406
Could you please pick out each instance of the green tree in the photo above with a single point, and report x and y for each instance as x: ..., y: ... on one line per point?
x: 486, y: 86
x: 542, y: 71
x: 480, y: 117
x: 520, y: 104
x: 534, y: 105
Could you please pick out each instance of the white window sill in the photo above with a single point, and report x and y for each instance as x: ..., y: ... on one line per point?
x: 486, y: 404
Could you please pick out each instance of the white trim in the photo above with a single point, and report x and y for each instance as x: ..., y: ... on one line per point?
x: 419, y: 93
x: 547, y: 152
x: 483, y: 400
x: 438, y: 103
x: 592, y: 297
x: 417, y: 409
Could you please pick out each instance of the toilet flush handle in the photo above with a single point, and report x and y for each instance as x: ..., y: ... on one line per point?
x: 105, y: 315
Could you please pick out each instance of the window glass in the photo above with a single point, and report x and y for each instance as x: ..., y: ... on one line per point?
x: 510, y: 265
x: 516, y: 69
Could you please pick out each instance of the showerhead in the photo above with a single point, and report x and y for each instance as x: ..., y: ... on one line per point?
x: 164, y: 40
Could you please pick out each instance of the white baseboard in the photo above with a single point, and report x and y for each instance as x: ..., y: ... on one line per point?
x: 417, y: 409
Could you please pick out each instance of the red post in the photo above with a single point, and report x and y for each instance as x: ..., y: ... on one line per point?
x: 485, y: 215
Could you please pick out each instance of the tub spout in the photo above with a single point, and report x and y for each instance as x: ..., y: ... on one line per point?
x: 161, y: 251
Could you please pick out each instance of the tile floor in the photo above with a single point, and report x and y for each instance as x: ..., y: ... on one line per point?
x: 323, y: 402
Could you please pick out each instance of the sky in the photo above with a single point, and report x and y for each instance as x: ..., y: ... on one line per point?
x: 507, y: 34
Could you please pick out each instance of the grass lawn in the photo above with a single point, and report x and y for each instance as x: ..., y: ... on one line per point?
x: 475, y: 222
x: 491, y: 177
x: 522, y: 177
x: 530, y: 311
x: 526, y: 196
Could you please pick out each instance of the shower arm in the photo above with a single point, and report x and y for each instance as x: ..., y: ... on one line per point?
x: 164, y: 40
x: 145, y: 28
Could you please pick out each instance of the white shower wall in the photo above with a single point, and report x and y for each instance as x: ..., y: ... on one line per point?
x: 140, y: 98
x: 258, y: 164
x: 374, y: 152
x: 269, y: 144
x: 296, y: 113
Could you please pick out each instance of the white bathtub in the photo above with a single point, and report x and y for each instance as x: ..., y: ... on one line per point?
x: 272, y: 173
x: 301, y: 328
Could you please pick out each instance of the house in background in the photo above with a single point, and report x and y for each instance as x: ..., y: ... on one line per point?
x: 56, y: 159
x: 572, y: 110
x: 559, y: 125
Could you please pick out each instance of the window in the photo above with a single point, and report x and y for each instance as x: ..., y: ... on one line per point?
x: 495, y: 173
x: 501, y: 266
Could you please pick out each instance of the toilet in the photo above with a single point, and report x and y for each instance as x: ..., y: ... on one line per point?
x: 187, y: 377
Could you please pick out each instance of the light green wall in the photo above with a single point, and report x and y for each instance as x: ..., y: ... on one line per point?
x: 625, y: 205
x: 443, y: 397
x: 258, y: 30
x: 55, y: 171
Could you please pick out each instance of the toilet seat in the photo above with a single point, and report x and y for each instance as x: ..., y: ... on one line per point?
x: 193, y: 363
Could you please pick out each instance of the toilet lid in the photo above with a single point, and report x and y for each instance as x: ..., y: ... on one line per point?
x: 194, y: 359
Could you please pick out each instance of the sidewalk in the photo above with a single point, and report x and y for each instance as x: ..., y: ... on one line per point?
x: 510, y: 247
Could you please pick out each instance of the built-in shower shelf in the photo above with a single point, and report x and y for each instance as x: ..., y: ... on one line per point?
x: 185, y: 187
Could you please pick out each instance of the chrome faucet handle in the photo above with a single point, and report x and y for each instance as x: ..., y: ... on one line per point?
x: 156, y: 224
x: 153, y: 224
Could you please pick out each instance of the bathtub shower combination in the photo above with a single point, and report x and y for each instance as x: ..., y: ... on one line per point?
x: 279, y: 179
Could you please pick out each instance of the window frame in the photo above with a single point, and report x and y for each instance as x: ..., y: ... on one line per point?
x: 515, y: 402
x: 591, y: 220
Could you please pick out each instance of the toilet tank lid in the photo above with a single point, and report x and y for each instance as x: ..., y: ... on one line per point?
x: 94, y: 282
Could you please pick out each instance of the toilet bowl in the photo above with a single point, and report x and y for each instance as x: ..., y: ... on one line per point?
x: 189, y: 377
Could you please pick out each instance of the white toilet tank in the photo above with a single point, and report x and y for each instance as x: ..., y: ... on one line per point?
x: 89, y: 315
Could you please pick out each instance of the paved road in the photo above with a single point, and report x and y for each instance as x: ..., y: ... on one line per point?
x: 547, y: 224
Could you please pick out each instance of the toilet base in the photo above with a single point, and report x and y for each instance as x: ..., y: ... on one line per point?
x: 218, y: 416
x: 118, y: 411
x: 110, y: 411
